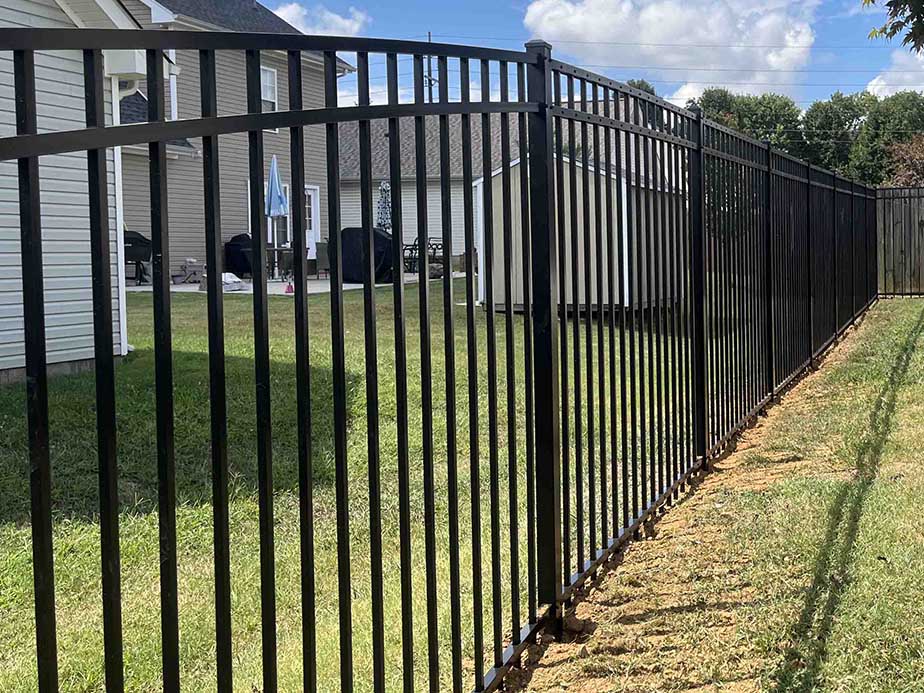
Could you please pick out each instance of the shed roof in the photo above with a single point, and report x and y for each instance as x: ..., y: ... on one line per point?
x: 349, y: 146
x: 349, y: 149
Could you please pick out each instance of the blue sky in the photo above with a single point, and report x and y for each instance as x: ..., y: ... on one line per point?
x: 806, y: 49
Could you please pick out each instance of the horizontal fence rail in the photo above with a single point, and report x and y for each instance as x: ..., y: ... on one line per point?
x: 591, y: 291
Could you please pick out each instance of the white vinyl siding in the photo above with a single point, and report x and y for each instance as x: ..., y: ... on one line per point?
x: 65, y: 209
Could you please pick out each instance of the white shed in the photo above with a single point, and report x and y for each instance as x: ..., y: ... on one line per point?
x: 650, y: 192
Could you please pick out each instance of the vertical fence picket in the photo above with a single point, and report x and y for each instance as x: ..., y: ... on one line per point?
x: 372, y: 380
x: 513, y: 532
x: 163, y: 376
x: 489, y: 265
x: 450, y: 368
x: 562, y: 277
x: 698, y: 278
x: 529, y: 421
x: 217, y: 390
x: 341, y: 482
x: 769, y: 381
x: 587, y: 272
x: 401, y: 384
x: 105, y: 375
x: 600, y: 311
x: 303, y: 385
x: 472, y: 363
x: 258, y: 225
x: 30, y: 223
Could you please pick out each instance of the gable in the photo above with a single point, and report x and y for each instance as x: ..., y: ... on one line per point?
x: 233, y: 15
x: 98, y: 14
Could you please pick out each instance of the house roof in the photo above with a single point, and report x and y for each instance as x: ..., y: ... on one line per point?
x: 349, y: 146
x: 349, y: 149
x: 134, y: 109
x: 235, y: 15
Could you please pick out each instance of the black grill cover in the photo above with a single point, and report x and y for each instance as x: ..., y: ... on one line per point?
x: 239, y: 255
x: 352, y: 244
x: 137, y: 247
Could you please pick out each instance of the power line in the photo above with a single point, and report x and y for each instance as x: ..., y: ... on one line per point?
x: 673, y: 45
x: 740, y: 69
x: 721, y: 83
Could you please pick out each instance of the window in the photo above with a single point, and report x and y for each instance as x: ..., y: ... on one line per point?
x: 171, y: 85
x: 268, y: 89
x: 313, y: 211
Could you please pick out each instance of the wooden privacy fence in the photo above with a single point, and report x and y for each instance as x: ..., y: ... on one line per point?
x: 900, y: 218
x: 652, y: 278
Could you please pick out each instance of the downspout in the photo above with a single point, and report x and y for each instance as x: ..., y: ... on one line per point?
x: 120, y: 224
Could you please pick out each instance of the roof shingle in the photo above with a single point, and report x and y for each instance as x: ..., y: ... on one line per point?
x: 235, y: 15
x: 134, y: 109
x: 349, y: 146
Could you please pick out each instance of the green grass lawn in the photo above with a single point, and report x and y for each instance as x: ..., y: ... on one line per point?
x: 837, y: 555
x: 798, y: 565
x: 840, y: 549
x: 75, y: 493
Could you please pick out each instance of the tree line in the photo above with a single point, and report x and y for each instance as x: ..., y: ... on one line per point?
x: 879, y: 141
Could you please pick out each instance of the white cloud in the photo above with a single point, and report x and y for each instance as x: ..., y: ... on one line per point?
x: 715, y: 33
x: 904, y: 73
x: 317, y: 19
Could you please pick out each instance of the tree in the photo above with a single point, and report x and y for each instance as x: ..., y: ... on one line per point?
x: 829, y: 129
x: 642, y: 85
x: 718, y: 104
x: 890, y: 121
x: 907, y: 163
x: 771, y: 117
x: 904, y: 18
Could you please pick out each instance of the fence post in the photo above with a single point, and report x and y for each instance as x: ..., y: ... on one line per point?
x: 770, y: 383
x: 810, y: 297
x: 853, y: 254
x: 834, y: 250
x: 698, y: 262
x: 545, y: 316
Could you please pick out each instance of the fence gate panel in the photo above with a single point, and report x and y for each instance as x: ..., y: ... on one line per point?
x: 900, y: 241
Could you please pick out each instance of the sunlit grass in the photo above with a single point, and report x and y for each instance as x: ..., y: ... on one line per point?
x: 76, y: 529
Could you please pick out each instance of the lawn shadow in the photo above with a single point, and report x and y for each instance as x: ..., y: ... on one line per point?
x: 72, y: 412
x: 802, y: 662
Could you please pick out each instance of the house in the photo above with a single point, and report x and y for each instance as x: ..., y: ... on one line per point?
x: 183, y: 100
x: 351, y: 209
x: 64, y: 190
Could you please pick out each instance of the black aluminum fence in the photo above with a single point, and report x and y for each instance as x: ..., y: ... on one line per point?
x: 901, y: 241
x: 650, y: 281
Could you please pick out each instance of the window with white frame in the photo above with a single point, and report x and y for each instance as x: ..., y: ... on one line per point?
x: 268, y: 89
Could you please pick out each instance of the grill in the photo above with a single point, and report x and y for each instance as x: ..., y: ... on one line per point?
x: 239, y: 255
x: 138, y: 251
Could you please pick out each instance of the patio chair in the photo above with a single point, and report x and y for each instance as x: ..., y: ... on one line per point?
x: 435, y: 250
x: 323, y: 260
x: 411, y: 256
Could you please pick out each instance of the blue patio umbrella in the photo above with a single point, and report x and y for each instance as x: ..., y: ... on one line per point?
x: 276, y: 203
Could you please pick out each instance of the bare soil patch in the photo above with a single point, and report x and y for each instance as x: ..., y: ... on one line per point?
x: 665, y: 615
